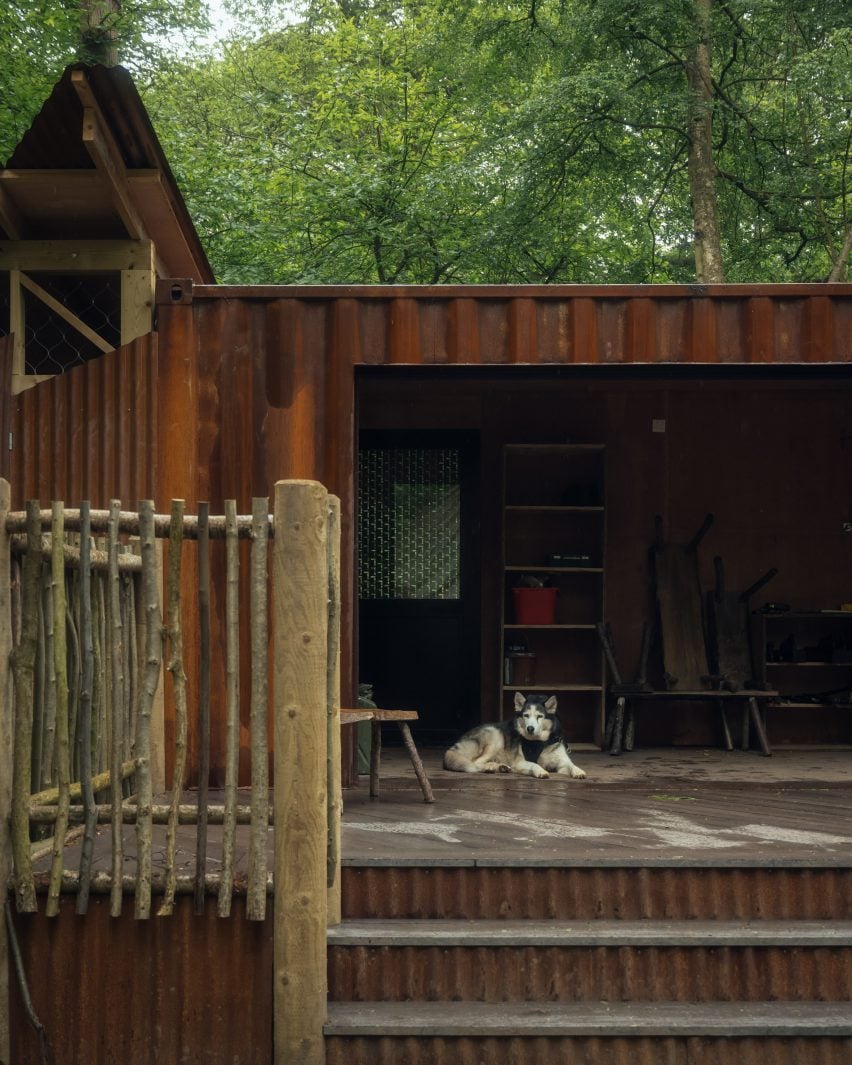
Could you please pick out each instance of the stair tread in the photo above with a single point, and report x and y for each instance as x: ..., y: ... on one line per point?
x: 427, y: 932
x: 609, y: 1019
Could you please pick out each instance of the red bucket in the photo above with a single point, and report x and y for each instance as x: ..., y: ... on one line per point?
x: 535, y: 606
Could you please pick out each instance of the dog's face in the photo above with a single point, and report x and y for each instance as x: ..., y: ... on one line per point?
x: 534, y: 716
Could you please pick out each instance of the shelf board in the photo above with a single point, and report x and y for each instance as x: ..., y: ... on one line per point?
x: 552, y: 687
x: 558, y: 508
x: 809, y: 665
x: 553, y: 569
x: 515, y: 625
x: 535, y: 449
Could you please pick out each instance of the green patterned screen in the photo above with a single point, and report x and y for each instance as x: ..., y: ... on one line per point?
x: 409, y: 526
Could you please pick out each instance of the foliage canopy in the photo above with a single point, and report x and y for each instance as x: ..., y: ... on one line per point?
x: 433, y: 141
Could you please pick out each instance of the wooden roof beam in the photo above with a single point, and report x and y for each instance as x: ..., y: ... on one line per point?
x: 104, y: 153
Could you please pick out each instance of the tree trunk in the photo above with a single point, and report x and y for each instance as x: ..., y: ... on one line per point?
x: 838, y: 268
x: 98, y: 31
x: 702, y: 168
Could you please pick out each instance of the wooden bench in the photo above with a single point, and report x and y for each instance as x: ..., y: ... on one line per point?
x: 377, y: 718
x: 691, y: 674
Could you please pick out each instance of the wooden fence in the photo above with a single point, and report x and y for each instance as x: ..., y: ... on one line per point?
x: 86, y: 636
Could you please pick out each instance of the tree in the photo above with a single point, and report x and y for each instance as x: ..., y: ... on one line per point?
x: 39, y: 38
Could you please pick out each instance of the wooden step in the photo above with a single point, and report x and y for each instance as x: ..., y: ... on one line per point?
x: 719, y: 1020
x: 461, y: 1033
x: 584, y: 961
x: 461, y: 933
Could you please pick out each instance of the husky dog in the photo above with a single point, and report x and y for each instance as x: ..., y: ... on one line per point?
x: 531, y: 743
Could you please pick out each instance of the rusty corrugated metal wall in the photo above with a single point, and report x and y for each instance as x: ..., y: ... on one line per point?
x: 266, y: 375
x: 179, y: 989
x: 241, y: 387
x: 90, y: 433
x: 556, y: 325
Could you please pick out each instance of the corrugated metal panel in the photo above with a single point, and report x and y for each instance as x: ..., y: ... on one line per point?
x: 590, y: 893
x: 559, y: 325
x: 589, y: 974
x: 90, y: 433
x: 177, y: 990
x: 618, y: 1051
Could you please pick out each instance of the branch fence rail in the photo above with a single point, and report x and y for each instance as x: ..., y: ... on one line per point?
x: 95, y: 627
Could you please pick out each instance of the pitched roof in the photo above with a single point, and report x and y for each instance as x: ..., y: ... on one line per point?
x: 91, y: 167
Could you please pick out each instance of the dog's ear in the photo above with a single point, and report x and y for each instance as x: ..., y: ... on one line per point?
x: 550, y: 705
x: 520, y: 699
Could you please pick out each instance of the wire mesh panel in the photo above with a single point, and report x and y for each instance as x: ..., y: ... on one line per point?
x: 52, y: 344
x: 409, y: 523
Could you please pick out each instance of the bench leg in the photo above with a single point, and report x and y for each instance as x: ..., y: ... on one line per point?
x: 630, y: 726
x: 375, y: 758
x: 757, y: 721
x: 726, y: 732
x: 617, y: 726
x: 419, y: 771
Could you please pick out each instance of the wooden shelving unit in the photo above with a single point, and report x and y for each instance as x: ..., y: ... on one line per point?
x: 806, y: 654
x: 554, y: 505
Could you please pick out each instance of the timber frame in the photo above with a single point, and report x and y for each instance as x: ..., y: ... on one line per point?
x: 132, y: 259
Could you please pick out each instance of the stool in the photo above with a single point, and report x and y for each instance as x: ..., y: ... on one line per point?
x: 377, y: 719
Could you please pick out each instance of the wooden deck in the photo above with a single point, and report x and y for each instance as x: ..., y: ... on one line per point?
x: 696, y: 807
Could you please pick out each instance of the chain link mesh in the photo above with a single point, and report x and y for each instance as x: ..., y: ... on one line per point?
x: 51, y: 344
x: 409, y: 525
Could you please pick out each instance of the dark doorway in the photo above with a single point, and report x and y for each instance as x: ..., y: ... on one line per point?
x: 418, y: 579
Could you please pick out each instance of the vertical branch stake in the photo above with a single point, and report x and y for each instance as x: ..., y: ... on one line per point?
x: 232, y: 694
x: 116, y: 644
x: 258, y: 614
x: 204, y: 702
x: 6, y: 744
x: 84, y: 723
x: 153, y: 661
x: 179, y: 681
x: 60, y: 669
x: 333, y: 768
x: 23, y: 665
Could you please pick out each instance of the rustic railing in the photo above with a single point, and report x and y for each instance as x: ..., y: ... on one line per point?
x: 87, y: 635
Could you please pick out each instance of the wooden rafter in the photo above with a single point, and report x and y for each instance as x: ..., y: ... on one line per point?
x: 107, y: 158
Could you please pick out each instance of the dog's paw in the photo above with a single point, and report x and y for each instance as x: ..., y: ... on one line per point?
x: 503, y: 768
x: 492, y: 767
x: 537, y: 771
x: 577, y: 773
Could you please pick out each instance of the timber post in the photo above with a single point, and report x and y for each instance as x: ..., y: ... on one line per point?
x: 333, y: 755
x: 5, y: 764
x: 300, y: 692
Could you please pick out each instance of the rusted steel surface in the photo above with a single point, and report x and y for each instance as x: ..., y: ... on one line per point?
x: 589, y: 974
x: 627, y: 893
x: 266, y: 374
x: 550, y: 325
x: 170, y: 990
x: 415, y: 1050
x: 90, y: 433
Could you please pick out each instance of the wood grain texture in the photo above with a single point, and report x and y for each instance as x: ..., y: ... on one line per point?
x: 300, y: 693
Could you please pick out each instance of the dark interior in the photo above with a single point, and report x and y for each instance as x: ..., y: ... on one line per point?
x: 766, y: 450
